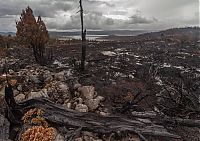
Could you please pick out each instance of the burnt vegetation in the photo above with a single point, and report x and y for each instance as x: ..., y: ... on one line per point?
x: 33, y: 33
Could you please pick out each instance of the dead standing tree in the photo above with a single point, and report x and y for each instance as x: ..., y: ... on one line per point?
x: 83, y: 37
x: 33, y: 33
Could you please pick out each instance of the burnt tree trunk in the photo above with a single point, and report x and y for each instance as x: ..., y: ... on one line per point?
x: 83, y: 37
x: 12, y: 112
x: 9, y: 97
x: 38, y: 52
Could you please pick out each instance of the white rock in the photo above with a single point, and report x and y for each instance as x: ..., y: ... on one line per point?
x: 93, y: 104
x: 108, y: 53
x: 101, y: 98
x: 87, y: 92
x: 81, y: 108
x: 19, y: 87
x: 40, y: 94
x: 69, y: 105
x: 19, y: 98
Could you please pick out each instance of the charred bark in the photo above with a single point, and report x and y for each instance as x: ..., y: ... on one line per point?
x: 13, y: 112
x: 9, y: 97
x: 83, y: 36
x: 38, y: 52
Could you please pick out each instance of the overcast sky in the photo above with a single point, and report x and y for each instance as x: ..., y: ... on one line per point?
x: 104, y: 14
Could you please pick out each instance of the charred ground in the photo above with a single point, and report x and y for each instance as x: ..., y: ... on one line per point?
x: 139, y: 74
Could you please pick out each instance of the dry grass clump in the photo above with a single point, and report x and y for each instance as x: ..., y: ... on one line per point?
x: 39, y: 133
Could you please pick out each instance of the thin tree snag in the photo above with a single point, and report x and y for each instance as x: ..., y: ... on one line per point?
x: 60, y: 116
x: 83, y: 51
x: 83, y: 36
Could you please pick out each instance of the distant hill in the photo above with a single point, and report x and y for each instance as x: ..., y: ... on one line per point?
x: 191, y: 32
x: 58, y: 34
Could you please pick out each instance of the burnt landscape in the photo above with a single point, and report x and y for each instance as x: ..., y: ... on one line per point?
x: 152, y: 81
x: 99, y: 70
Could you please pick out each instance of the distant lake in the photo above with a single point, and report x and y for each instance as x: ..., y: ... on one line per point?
x: 93, y: 35
x: 88, y: 37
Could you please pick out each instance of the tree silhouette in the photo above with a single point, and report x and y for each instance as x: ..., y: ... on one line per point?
x: 32, y: 33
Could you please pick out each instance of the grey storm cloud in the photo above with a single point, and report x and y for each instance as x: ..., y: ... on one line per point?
x: 92, y: 20
x: 43, y: 8
x: 104, y: 14
x: 138, y: 19
x: 51, y: 10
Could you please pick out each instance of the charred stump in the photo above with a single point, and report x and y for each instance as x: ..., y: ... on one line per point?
x: 13, y: 112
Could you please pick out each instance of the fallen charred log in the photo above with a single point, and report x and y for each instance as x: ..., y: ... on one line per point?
x: 59, y: 116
